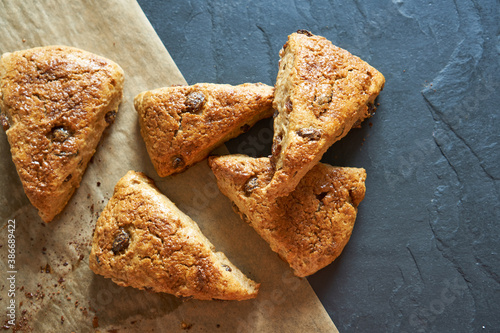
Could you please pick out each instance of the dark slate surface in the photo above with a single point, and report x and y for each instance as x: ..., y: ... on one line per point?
x: 424, y: 252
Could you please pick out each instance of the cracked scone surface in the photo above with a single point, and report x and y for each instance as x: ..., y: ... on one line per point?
x: 55, y: 103
x: 144, y: 241
x: 321, y: 92
x: 181, y: 125
x: 310, y: 226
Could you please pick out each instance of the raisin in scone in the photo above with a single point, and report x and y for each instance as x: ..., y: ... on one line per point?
x: 321, y: 92
x: 144, y: 241
x: 55, y: 103
x: 310, y: 226
x: 181, y: 125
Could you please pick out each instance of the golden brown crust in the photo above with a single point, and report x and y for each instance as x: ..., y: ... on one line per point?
x: 321, y: 92
x: 181, y: 125
x: 144, y: 241
x: 309, y: 227
x: 56, y: 101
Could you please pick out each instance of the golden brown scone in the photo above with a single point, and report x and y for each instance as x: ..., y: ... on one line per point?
x: 181, y: 125
x: 321, y: 92
x: 309, y: 227
x: 144, y: 241
x: 55, y: 103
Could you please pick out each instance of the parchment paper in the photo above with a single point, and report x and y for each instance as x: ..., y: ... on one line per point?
x: 55, y: 289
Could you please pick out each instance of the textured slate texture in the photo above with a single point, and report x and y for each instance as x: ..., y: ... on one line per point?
x: 424, y: 253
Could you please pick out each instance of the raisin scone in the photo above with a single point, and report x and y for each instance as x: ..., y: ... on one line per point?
x: 310, y: 226
x: 181, y: 125
x: 321, y: 92
x: 55, y: 103
x: 144, y: 241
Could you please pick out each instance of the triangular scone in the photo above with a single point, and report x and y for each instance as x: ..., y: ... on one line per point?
x: 55, y: 103
x: 143, y: 240
x: 309, y: 227
x: 321, y: 92
x: 181, y: 125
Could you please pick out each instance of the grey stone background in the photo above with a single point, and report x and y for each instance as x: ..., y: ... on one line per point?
x: 424, y: 254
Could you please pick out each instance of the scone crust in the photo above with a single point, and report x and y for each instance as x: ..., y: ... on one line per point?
x: 55, y: 103
x: 321, y: 92
x: 180, y: 130
x: 309, y: 227
x: 166, y: 251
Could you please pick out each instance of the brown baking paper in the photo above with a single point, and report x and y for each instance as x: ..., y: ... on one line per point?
x: 55, y: 291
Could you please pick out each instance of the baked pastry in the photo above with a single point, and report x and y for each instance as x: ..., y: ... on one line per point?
x: 321, y: 92
x: 55, y: 103
x: 310, y: 226
x: 144, y: 241
x: 181, y: 125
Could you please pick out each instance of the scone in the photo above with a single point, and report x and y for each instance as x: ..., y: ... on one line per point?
x: 310, y: 226
x: 55, y: 103
x: 144, y: 241
x: 321, y: 92
x: 181, y: 125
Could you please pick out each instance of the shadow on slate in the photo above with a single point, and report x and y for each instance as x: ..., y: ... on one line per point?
x: 423, y: 256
